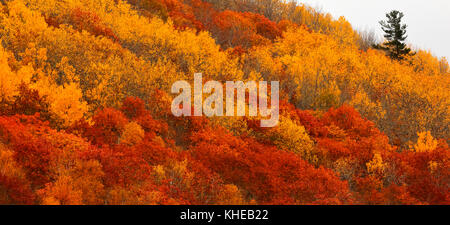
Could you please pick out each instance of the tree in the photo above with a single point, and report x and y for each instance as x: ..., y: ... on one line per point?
x: 443, y: 65
x: 395, y: 34
x: 367, y: 38
x: 355, y: 125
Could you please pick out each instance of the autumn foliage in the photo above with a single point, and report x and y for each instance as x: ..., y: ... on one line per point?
x: 85, y: 107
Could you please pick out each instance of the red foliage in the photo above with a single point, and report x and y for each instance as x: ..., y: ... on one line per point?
x: 53, y: 21
x: 284, y: 25
x: 123, y: 166
x: 233, y: 29
x: 151, y: 8
x: 264, y: 26
x: 350, y: 120
x: 108, y: 126
x: 285, y: 177
x: 89, y: 21
x: 182, y: 15
x: 313, y: 125
x: 30, y: 151
x: 17, y: 191
x: 27, y: 102
x: 344, y: 142
x: 133, y: 107
x: 422, y: 182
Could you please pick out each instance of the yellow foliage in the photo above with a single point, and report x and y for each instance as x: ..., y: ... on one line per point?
x: 345, y: 168
x: 318, y: 67
x: 8, y: 165
x: 372, y: 110
x: 443, y: 66
x: 424, y: 62
x: 84, y: 176
x: 230, y: 195
x: 9, y: 80
x: 158, y: 173
x: 66, y: 102
x: 119, y: 196
x: 132, y: 134
x: 433, y: 166
x: 425, y: 142
x: 19, y: 25
x: 61, y: 192
x: 292, y: 137
x: 376, y: 166
x: 318, y: 72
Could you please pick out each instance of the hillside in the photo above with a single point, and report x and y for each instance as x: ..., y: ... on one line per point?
x: 85, y: 117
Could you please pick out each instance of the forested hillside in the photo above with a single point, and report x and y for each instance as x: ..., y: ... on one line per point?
x: 85, y: 107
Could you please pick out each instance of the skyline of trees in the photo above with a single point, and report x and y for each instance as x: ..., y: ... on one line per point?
x: 85, y: 107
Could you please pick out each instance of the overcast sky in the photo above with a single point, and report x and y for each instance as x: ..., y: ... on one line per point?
x: 428, y: 21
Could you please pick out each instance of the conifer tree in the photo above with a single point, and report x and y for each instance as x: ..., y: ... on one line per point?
x: 395, y: 34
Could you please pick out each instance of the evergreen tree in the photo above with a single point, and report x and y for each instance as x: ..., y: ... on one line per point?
x: 395, y: 34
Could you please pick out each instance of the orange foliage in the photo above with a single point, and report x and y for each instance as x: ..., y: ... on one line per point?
x: 348, y: 117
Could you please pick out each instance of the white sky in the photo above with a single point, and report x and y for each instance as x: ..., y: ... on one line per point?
x: 428, y: 21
